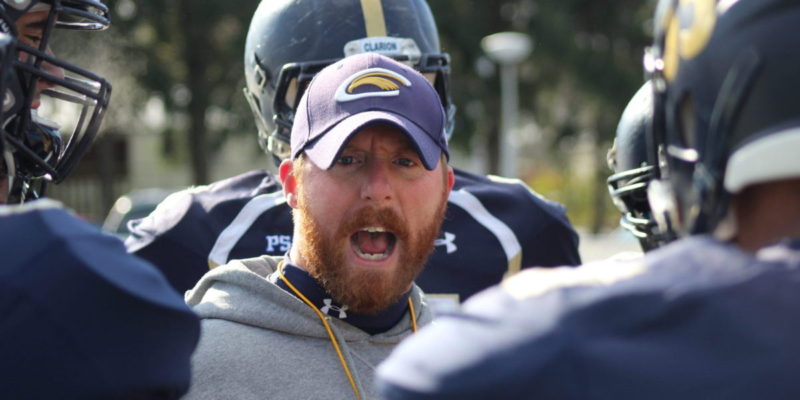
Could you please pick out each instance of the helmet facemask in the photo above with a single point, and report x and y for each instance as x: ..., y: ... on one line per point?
x: 628, y: 190
x: 292, y: 82
x: 634, y: 170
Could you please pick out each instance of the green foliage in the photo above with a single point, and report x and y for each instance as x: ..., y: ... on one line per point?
x: 192, y: 53
x: 585, y: 66
x: 596, y: 44
x: 577, y: 193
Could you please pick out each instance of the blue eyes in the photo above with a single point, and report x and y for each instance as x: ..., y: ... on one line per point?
x: 405, y: 162
x: 346, y: 160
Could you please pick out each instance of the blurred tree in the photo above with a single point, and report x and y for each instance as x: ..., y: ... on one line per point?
x: 595, y: 46
x: 586, y: 64
x: 183, y: 59
x: 587, y: 60
x: 188, y: 54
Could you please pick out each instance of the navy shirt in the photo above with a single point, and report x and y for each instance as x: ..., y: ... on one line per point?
x: 695, y: 319
x: 491, y: 228
x: 82, y: 318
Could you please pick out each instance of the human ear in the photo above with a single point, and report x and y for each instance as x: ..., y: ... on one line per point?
x: 289, y: 182
x: 451, y: 178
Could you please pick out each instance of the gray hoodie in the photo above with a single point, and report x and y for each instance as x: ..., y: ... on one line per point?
x: 260, y: 342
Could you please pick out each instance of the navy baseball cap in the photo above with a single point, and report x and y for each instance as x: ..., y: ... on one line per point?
x: 362, y: 90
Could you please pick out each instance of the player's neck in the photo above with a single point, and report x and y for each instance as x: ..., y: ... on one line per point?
x: 766, y: 213
x: 295, y: 255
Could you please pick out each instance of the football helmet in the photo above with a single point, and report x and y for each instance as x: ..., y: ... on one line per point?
x: 633, y: 170
x: 289, y: 41
x: 51, y: 109
x: 727, y: 106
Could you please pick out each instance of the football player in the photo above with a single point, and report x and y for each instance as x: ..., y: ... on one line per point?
x: 494, y: 226
x: 51, y: 109
x: 711, y: 315
x: 81, y: 318
x: 633, y: 171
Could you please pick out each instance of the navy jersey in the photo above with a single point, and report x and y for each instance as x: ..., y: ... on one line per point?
x: 491, y: 228
x: 695, y: 319
x: 82, y: 318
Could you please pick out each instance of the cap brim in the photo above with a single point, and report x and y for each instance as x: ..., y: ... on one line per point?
x: 324, y: 151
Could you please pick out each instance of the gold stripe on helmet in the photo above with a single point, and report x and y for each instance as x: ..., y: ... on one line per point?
x: 373, y: 17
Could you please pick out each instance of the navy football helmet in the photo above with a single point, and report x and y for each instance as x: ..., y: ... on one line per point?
x: 727, y: 105
x: 289, y: 41
x: 633, y: 171
x: 51, y: 109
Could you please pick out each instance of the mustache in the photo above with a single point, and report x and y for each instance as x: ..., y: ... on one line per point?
x: 374, y: 216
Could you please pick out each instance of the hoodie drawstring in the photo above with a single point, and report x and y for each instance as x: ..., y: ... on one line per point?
x: 330, y: 331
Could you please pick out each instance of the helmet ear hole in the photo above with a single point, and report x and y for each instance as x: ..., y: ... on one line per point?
x: 687, y: 128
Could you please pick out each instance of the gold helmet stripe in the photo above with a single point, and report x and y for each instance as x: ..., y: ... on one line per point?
x: 373, y: 18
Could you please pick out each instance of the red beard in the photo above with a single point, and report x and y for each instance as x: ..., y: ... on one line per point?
x: 365, y: 291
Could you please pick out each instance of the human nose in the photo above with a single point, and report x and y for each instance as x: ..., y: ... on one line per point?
x: 378, y: 185
x: 52, y: 69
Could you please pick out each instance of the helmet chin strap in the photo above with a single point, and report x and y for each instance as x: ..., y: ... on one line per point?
x: 10, y: 168
x: 18, y: 190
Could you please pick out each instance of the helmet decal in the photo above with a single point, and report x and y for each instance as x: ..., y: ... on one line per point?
x: 395, y: 47
x: 688, y: 32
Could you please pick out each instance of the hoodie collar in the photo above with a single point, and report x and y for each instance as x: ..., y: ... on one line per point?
x: 373, y: 324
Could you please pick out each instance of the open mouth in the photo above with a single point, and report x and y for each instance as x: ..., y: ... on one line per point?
x: 373, y: 243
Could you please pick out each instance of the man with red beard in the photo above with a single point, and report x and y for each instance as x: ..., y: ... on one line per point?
x: 368, y: 182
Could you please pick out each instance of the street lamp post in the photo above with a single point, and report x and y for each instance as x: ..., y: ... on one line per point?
x: 508, y: 49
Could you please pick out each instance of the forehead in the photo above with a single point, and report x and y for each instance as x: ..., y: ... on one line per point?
x: 383, y: 135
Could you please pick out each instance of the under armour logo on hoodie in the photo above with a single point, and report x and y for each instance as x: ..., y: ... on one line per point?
x: 329, y: 306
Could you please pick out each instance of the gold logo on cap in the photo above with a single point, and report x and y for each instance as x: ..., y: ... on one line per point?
x: 378, y: 79
x: 386, y: 81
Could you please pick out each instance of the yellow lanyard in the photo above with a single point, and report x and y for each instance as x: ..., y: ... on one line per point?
x: 330, y: 331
